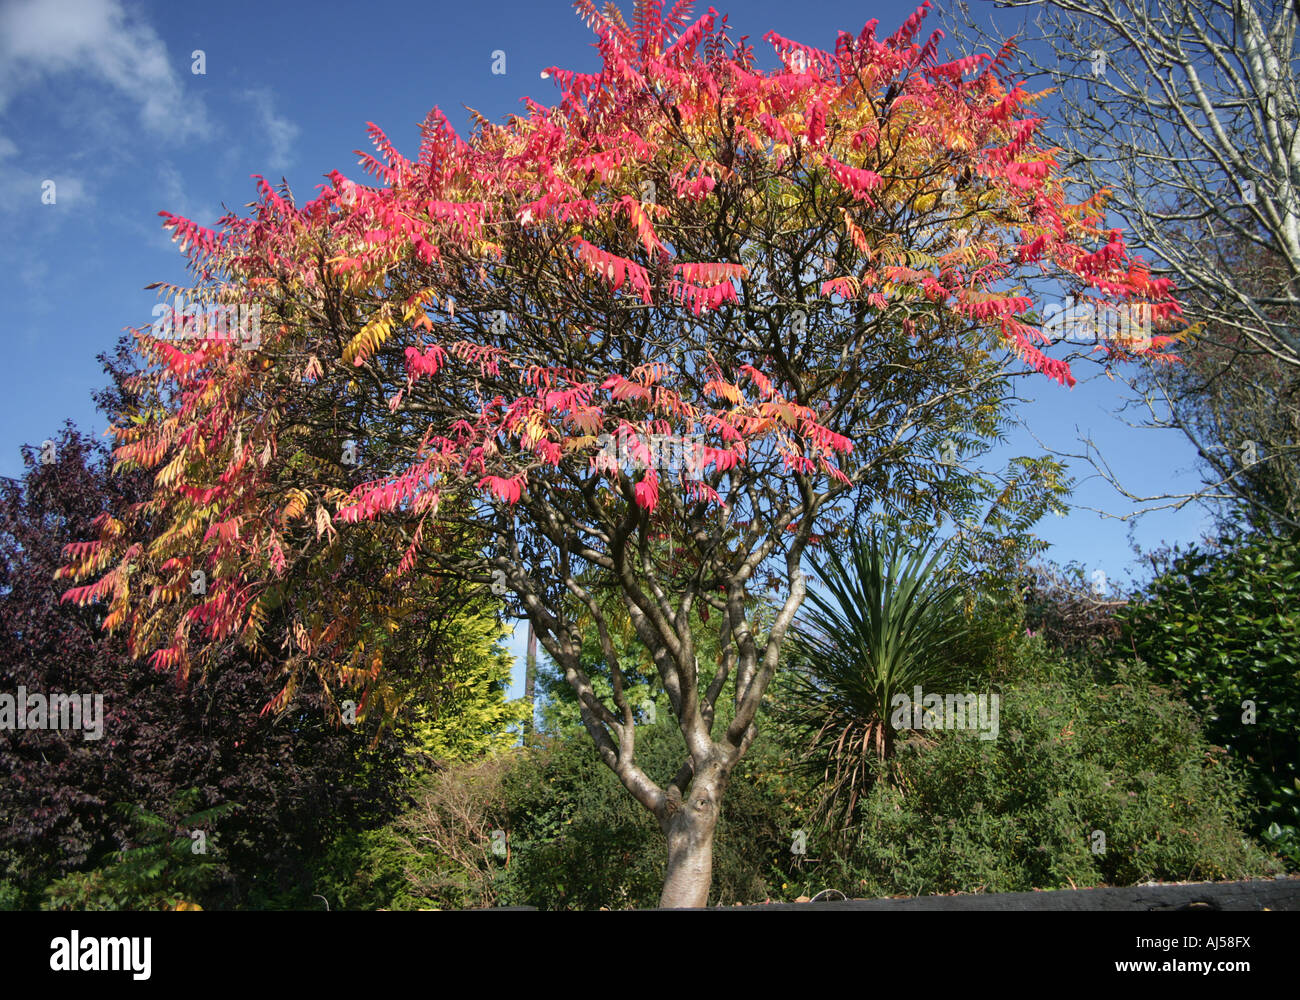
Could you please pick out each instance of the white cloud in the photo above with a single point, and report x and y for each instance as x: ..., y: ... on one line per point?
x: 24, y: 190
x: 95, y: 38
x: 281, y: 133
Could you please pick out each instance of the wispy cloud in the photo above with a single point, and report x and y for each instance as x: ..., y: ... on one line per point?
x: 23, y: 189
x: 97, y: 40
x: 281, y: 133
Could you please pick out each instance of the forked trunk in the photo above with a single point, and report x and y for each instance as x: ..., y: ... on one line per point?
x: 689, y: 832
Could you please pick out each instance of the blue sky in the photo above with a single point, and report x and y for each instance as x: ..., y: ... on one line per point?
x: 99, y: 97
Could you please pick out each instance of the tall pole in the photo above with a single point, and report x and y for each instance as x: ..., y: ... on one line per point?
x: 530, y: 676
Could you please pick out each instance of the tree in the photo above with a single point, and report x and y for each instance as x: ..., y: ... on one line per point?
x: 1187, y: 112
x: 1238, y: 404
x: 300, y: 778
x: 799, y: 281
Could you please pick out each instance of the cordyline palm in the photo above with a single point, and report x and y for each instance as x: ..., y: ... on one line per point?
x: 881, y: 625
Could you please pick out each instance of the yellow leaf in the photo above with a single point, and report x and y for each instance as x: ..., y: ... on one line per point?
x: 372, y: 335
x: 296, y: 506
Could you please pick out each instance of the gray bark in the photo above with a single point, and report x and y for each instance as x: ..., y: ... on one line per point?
x: 688, y: 824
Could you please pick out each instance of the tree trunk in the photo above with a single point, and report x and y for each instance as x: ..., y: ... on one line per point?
x: 689, y: 830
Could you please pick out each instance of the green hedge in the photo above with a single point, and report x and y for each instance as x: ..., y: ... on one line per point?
x: 1224, y: 628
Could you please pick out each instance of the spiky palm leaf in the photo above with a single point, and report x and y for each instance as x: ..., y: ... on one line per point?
x: 882, y: 623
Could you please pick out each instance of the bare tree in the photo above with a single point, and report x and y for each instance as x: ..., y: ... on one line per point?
x: 1187, y: 111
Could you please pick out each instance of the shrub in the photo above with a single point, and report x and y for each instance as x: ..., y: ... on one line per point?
x: 578, y: 840
x: 1061, y: 605
x: 571, y: 842
x: 1224, y: 628
x: 1075, y: 756
x: 300, y: 779
x: 163, y: 869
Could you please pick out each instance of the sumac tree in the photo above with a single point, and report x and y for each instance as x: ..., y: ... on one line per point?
x: 802, y: 278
